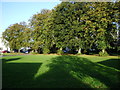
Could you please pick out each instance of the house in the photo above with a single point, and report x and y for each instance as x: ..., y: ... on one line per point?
x: 3, y: 46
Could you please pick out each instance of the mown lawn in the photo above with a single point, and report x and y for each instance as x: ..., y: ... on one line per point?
x: 60, y: 71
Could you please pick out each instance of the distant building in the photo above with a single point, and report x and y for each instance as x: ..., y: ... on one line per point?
x: 3, y: 46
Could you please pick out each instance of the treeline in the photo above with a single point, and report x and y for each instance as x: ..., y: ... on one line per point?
x: 70, y: 26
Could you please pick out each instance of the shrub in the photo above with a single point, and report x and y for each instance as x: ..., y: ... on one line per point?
x: 46, y: 51
x: 85, y: 51
x: 79, y: 53
x: 34, y: 53
x: 60, y: 52
x: 103, y: 54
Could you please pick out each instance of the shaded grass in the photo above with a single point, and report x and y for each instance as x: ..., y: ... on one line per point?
x: 19, y: 74
x: 115, y: 63
x: 56, y: 71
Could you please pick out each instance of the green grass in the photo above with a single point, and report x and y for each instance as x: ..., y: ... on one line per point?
x: 60, y: 71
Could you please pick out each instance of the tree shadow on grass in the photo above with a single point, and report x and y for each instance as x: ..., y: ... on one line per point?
x: 12, y: 59
x: 18, y: 75
x: 57, y: 77
x: 76, y: 72
x: 64, y: 72
x: 115, y: 63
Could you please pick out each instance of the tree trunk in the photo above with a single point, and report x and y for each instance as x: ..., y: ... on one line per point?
x: 79, y: 51
x: 61, y: 49
x: 35, y: 50
x: 18, y: 50
x: 103, y: 50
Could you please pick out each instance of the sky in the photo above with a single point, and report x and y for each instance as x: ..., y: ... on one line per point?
x: 15, y: 12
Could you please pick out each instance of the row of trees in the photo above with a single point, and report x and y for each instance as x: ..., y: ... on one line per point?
x: 73, y: 25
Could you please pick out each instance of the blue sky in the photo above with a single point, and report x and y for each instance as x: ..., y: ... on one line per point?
x: 15, y: 12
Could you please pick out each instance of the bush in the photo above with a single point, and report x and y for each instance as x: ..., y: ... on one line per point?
x: 60, y: 52
x: 34, y: 53
x: 79, y: 53
x: 103, y: 54
x: 85, y: 51
x: 46, y: 51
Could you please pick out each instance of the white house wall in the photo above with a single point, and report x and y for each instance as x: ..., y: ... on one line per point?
x: 2, y: 45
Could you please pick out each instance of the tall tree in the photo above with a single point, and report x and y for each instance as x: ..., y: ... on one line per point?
x: 70, y: 30
x: 14, y: 36
x: 37, y: 24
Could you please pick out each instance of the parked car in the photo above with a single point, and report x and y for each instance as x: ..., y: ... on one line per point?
x: 5, y: 51
x: 26, y: 52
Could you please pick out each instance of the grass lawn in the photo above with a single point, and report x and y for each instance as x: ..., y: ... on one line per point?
x: 60, y: 71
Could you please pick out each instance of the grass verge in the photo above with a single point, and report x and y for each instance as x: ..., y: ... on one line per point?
x: 60, y: 71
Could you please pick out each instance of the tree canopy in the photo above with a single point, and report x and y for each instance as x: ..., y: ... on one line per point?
x: 73, y: 25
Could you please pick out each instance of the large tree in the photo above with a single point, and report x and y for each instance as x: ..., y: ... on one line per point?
x: 69, y: 24
x: 37, y: 24
x: 84, y: 24
x: 14, y: 36
x: 78, y: 25
x: 102, y: 15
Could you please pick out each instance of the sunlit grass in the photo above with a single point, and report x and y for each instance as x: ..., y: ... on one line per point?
x: 98, y: 58
x: 83, y: 71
